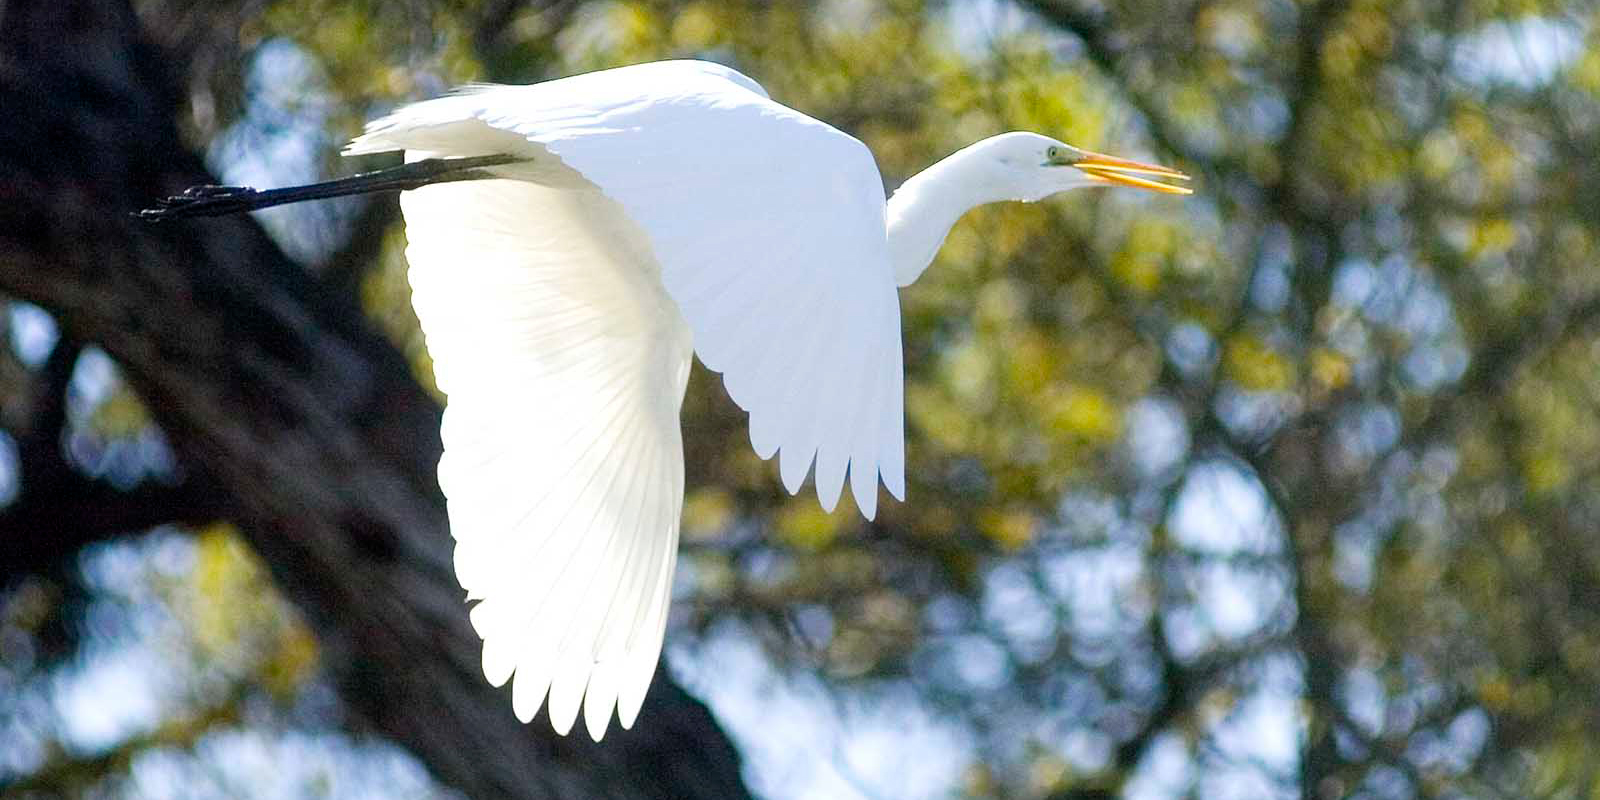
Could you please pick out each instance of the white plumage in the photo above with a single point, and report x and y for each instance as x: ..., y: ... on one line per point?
x: 662, y: 210
x: 559, y: 307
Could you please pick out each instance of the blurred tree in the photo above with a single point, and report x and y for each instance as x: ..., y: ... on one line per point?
x: 1284, y: 490
x: 290, y: 416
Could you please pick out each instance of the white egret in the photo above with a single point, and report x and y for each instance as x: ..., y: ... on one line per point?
x: 572, y: 244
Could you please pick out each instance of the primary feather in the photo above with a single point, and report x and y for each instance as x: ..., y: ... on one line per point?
x: 663, y: 208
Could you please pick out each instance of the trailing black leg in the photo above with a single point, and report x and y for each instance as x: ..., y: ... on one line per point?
x: 213, y: 201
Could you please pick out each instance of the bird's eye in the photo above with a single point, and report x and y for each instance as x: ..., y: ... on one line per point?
x: 1053, y: 153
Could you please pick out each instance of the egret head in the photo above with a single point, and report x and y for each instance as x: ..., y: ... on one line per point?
x: 1011, y: 166
x: 1030, y: 166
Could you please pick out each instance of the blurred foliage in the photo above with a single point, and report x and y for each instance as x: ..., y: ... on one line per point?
x: 1286, y: 489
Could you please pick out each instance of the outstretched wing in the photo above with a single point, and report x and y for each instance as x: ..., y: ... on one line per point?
x: 769, y: 229
x: 564, y: 364
x: 558, y: 306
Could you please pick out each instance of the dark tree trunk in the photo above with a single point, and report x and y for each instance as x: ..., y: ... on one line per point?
x: 306, y: 423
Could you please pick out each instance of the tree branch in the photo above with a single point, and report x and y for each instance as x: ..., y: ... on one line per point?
x: 1095, y: 31
x: 56, y: 516
x: 58, y: 509
x: 79, y: 774
x: 320, y: 441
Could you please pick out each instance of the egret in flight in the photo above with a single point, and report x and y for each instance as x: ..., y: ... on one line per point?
x: 572, y: 244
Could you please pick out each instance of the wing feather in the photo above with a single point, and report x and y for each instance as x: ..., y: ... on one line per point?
x: 891, y: 426
x: 747, y: 205
x: 564, y: 361
x: 597, y: 579
x: 773, y: 376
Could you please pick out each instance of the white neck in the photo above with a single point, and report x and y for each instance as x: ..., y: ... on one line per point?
x: 926, y: 206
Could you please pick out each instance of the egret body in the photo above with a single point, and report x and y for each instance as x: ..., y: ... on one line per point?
x: 572, y: 245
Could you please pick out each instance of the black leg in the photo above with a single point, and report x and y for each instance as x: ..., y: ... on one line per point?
x: 213, y: 201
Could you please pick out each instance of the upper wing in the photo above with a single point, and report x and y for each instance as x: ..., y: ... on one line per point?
x: 769, y: 228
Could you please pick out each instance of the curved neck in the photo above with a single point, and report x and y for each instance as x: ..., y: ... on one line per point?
x: 925, y: 207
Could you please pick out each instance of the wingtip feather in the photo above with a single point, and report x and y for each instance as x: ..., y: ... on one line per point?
x: 864, y: 490
x: 499, y: 661
x: 525, y: 700
x: 896, y: 484
x: 601, y: 698
x: 566, y: 692
x: 793, y: 465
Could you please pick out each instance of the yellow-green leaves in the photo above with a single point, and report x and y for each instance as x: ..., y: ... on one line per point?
x: 1252, y: 364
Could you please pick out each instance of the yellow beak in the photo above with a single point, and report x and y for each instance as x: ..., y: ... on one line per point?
x: 1122, y: 172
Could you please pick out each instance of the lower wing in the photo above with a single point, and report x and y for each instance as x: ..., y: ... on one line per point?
x: 564, y: 364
